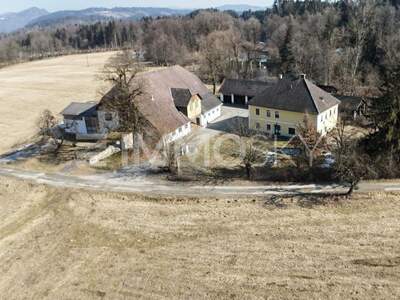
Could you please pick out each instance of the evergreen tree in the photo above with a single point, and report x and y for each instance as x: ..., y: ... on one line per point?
x: 385, y: 115
x: 288, y: 62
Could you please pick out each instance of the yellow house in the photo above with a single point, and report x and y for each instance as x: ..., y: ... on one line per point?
x: 278, y: 110
x: 187, y: 103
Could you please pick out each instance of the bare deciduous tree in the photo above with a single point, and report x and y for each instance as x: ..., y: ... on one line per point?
x: 309, y: 141
x: 46, y: 122
x: 121, y: 71
x: 350, y: 164
x: 47, y: 127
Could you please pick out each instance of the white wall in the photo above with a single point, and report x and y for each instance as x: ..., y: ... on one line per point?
x: 328, y: 119
x: 210, y: 115
x: 178, y: 133
x: 75, y: 126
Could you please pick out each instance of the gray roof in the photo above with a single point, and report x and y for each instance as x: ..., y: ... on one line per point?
x: 208, y: 102
x: 242, y: 87
x: 181, y: 97
x: 78, y: 108
x: 298, y: 95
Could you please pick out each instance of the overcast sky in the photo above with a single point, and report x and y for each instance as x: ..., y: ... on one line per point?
x: 53, y: 5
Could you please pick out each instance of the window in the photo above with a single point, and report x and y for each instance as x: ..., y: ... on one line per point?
x: 268, y: 127
x: 258, y: 125
x: 187, y: 126
x: 277, y: 115
x: 108, y: 116
x: 292, y: 131
x: 180, y: 129
x: 268, y: 114
x: 257, y: 111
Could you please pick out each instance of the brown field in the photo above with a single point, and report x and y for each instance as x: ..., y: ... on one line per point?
x: 64, y: 244
x: 29, y: 88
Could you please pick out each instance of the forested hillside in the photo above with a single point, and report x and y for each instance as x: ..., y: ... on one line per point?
x: 344, y: 43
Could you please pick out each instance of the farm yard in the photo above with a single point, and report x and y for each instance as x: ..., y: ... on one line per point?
x: 63, y: 244
x: 29, y: 88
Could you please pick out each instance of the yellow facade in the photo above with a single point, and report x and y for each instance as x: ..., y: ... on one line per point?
x: 285, y: 123
x: 194, y: 107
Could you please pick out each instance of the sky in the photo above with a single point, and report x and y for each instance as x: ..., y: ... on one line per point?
x: 54, y: 5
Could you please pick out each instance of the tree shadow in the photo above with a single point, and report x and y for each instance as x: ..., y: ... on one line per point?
x: 304, y: 200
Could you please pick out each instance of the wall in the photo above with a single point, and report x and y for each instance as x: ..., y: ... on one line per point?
x: 210, y: 115
x: 328, y: 119
x: 324, y: 122
x: 287, y: 119
x: 105, y: 125
x: 178, y: 133
x: 75, y: 125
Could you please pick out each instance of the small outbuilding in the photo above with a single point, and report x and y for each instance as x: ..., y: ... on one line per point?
x: 80, y: 120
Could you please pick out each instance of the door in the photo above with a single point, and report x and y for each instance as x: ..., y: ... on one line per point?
x: 92, y: 125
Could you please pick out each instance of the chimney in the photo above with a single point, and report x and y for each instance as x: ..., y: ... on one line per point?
x: 303, y: 76
x: 280, y: 76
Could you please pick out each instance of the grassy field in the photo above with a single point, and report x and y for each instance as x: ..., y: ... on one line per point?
x: 64, y: 244
x: 29, y: 88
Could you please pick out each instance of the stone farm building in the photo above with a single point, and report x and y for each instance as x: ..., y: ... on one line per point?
x: 172, y: 99
x: 279, y: 109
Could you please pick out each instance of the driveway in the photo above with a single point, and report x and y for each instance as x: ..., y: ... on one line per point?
x: 226, y: 123
x: 230, y: 118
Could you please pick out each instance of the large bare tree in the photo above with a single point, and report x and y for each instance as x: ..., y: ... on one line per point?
x: 121, y: 71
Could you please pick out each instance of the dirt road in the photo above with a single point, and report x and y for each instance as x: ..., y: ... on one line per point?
x: 120, y: 182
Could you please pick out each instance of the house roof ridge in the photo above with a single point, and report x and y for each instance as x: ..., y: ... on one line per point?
x: 307, y: 82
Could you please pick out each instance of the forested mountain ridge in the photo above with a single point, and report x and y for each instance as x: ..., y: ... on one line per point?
x: 94, y: 14
x: 14, y: 21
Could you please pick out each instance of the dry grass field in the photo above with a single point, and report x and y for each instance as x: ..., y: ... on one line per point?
x: 64, y: 244
x: 29, y: 88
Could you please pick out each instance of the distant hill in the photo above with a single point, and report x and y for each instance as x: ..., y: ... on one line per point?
x: 100, y: 14
x: 13, y: 21
x: 240, y: 7
x: 39, y: 17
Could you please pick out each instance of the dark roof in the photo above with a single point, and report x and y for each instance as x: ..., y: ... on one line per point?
x: 208, y: 102
x: 78, y: 108
x: 242, y: 87
x: 156, y: 103
x: 181, y: 97
x: 298, y: 95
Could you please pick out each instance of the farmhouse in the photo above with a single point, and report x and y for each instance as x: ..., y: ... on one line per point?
x: 170, y: 101
x: 279, y: 109
x: 240, y: 92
